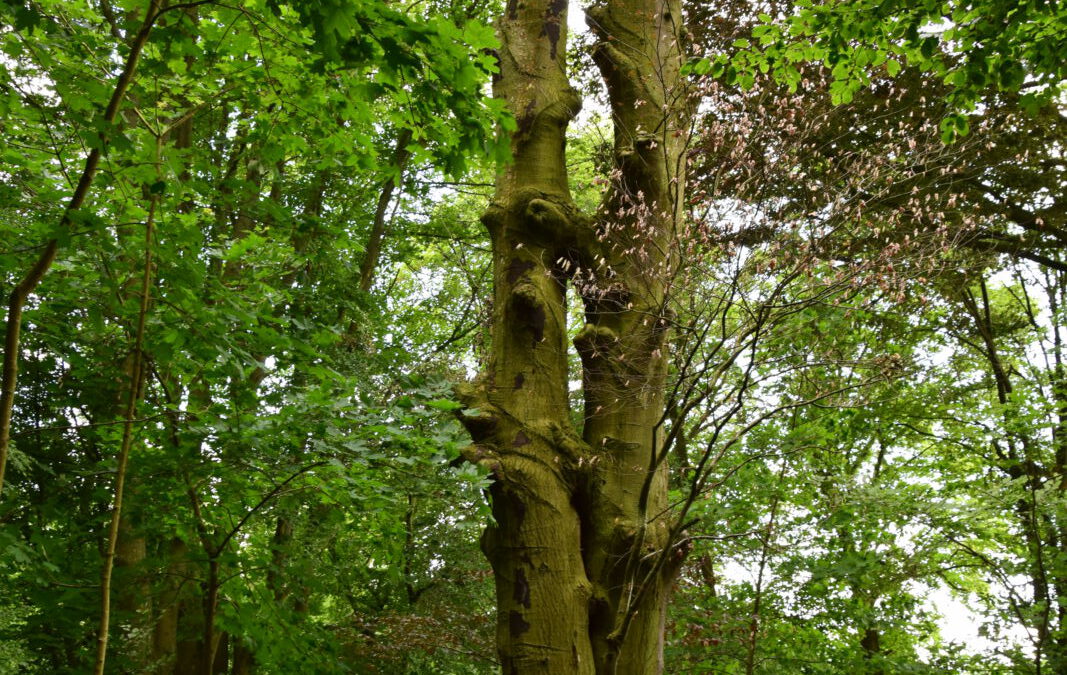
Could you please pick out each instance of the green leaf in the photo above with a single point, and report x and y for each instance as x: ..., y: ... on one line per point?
x: 445, y: 404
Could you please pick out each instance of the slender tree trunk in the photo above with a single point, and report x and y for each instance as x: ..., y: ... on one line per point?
x: 872, y: 647
x: 40, y: 267
x: 165, y: 630
x: 764, y: 561
x: 131, y: 586
x: 377, y: 232
x: 580, y: 544
x: 133, y: 595
x: 134, y: 396
x: 1020, y: 461
x: 209, y: 639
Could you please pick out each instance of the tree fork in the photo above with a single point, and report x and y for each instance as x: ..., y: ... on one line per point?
x: 573, y: 541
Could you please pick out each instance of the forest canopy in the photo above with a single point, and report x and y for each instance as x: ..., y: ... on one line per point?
x: 445, y: 337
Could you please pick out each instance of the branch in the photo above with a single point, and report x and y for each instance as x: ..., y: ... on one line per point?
x: 37, y: 272
x: 262, y: 502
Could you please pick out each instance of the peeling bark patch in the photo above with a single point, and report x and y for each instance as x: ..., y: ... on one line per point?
x: 520, y: 440
x: 517, y: 268
x: 517, y: 623
x: 553, y: 23
x: 537, y: 324
x: 522, y: 589
x: 529, y: 312
x: 519, y: 509
x: 526, y: 119
x: 519, y: 380
x: 535, y: 321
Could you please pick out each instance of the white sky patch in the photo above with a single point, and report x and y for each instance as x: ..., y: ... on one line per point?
x: 958, y: 623
x: 576, y: 19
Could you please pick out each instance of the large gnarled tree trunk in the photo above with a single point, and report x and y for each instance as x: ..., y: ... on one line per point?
x: 581, y: 536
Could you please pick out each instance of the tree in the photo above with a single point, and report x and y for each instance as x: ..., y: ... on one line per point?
x: 246, y: 141
x: 997, y: 198
x: 725, y: 330
x: 580, y: 546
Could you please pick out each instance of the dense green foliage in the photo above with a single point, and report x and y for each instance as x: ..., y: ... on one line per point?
x: 975, y: 48
x: 275, y: 418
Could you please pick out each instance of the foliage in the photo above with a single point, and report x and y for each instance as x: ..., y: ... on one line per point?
x: 975, y: 49
x: 866, y: 382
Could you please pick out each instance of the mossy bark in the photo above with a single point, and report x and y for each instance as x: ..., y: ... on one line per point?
x: 580, y: 546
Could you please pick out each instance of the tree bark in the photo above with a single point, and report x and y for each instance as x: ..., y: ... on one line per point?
x: 580, y: 546
x: 165, y: 629
x: 872, y: 648
x: 377, y: 232
x: 133, y: 595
